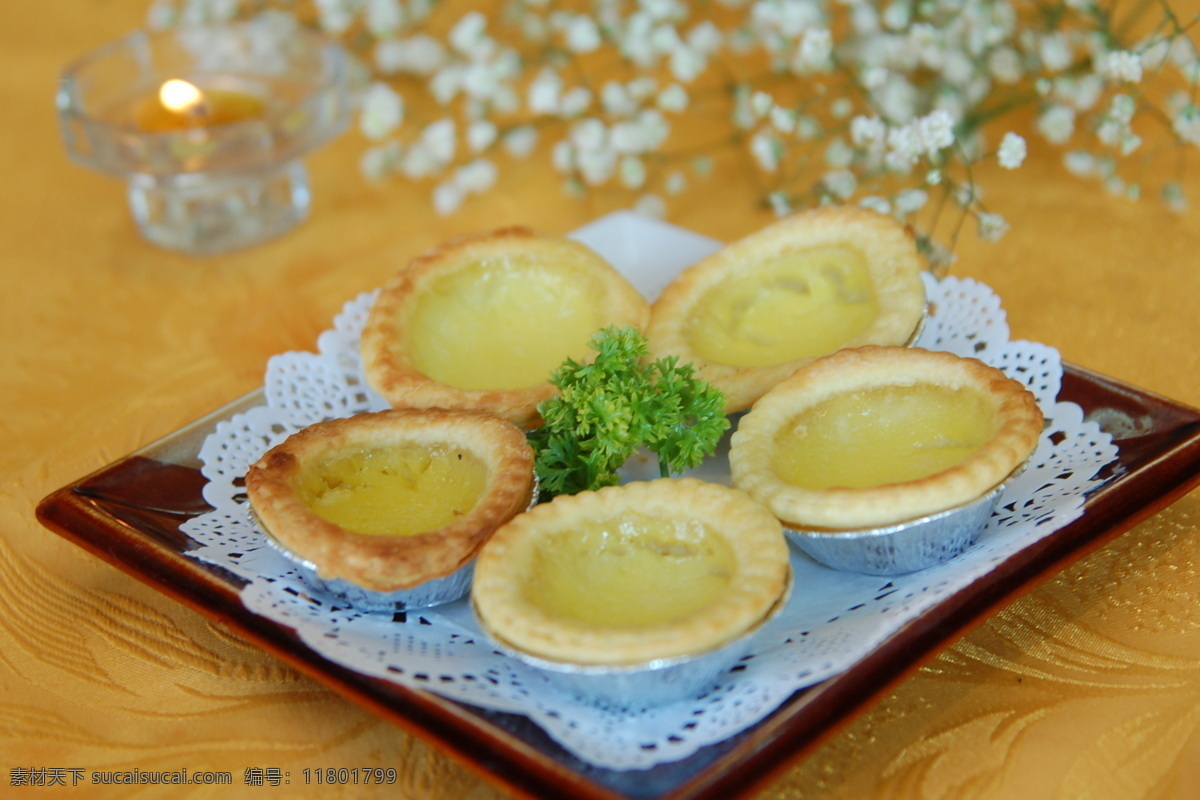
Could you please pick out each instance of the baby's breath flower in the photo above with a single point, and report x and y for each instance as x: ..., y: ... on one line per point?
x: 767, y: 150
x: 1122, y: 108
x: 875, y: 203
x: 864, y: 18
x: 641, y: 134
x: 935, y: 131
x: 841, y: 183
x: 866, y: 131
x: 616, y: 99
x: 1012, y: 151
x: 1155, y: 53
x: 910, y: 201
x: 706, y: 38
x: 781, y: 205
x: 417, y: 161
x: 674, y: 98
x: 910, y: 106
x: 480, y: 135
x: 583, y: 36
x: 544, y: 92
x: 743, y: 116
x: 897, y: 15
x: 1056, y: 124
x: 521, y: 141
x: 904, y: 148
x: 476, y: 177
x: 1054, y: 49
x: 816, y: 48
x: 439, y: 137
x: 589, y: 134
x: 596, y: 166
x: 562, y: 156
x: 575, y: 101
x: 1004, y: 64
x: 787, y: 17
x: 420, y: 55
x: 1080, y: 163
x: 651, y: 205
x: 940, y: 257
x: 898, y: 98
x: 1173, y: 196
x: 687, y: 62
x: 161, y: 15
x: 838, y: 154
x: 1186, y: 124
x: 632, y: 172
x: 808, y: 128
x: 663, y: 9
x: 1080, y: 93
x: 874, y: 78
x: 642, y: 87
x: 1121, y: 66
x: 384, y: 16
x: 761, y: 103
x: 1111, y: 131
x: 469, y: 34
x: 992, y: 227
x: 675, y: 183
x: 448, y: 197
x: 377, y: 162
x: 382, y: 111
x: 783, y: 119
x: 335, y: 16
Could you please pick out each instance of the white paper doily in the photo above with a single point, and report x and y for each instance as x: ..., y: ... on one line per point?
x: 832, y: 620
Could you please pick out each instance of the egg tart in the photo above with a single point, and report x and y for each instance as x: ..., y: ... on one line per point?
x: 760, y: 308
x: 631, y: 574
x: 879, y: 435
x: 482, y: 321
x: 390, y: 500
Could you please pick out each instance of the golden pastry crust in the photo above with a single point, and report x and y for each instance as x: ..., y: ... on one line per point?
x: 381, y: 562
x: 892, y: 262
x: 387, y: 345
x: 759, y: 581
x: 1019, y: 425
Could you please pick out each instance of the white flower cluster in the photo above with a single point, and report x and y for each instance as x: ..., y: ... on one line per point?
x: 888, y: 104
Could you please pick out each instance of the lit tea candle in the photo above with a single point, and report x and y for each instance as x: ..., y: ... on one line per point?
x: 180, y: 105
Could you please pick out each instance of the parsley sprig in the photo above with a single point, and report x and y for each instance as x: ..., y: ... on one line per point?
x: 609, y: 407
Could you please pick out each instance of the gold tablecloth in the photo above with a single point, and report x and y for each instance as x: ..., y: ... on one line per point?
x: 1086, y: 687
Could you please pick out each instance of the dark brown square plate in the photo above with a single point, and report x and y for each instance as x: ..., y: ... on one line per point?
x: 129, y: 514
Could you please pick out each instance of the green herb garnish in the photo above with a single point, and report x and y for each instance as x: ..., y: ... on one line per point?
x: 618, y: 402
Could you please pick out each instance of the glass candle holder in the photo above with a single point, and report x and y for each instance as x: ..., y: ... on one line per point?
x: 209, y: 126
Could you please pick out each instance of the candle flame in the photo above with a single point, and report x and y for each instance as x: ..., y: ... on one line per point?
x: 179, y: 95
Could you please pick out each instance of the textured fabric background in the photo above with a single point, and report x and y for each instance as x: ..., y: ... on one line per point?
x: 1086, y: 687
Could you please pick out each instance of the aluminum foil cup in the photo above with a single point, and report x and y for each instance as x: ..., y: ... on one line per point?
x: 917, y: 331
x: 652, y: 683
x: 903, y: 547
x: 434, y: 592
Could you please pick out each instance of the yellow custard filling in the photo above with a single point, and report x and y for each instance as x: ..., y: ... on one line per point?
x: 800, y: 304
x: 884, y: 435
x: 397, y: 491
x: 502, y: 323
x: 629, y: 571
